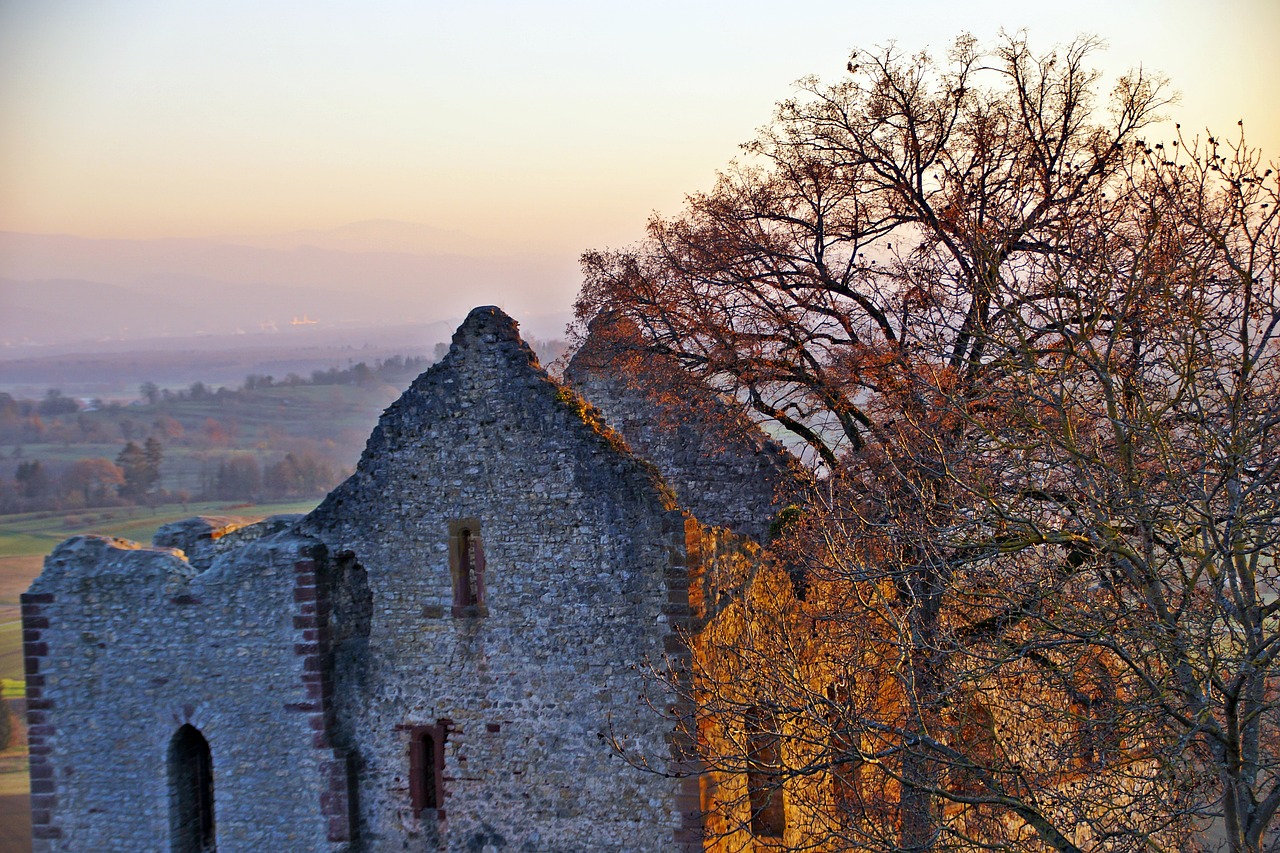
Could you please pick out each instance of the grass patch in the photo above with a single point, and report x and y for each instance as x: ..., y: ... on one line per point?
x: 11, y: 653
x: 26, y: 538
x: 36, y: 533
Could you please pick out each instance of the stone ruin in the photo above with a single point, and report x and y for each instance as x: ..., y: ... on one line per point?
x: 444, y: 655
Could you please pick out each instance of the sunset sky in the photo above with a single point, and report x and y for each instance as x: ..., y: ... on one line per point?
x: 550, y: 126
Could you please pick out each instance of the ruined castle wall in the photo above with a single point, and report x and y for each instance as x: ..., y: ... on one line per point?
x: 126, y: 645
x: 724, y: 470
x: 584, y: 581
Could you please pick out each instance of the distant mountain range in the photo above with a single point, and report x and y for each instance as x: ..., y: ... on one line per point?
x: 60, y: 289
x: 382, y: 235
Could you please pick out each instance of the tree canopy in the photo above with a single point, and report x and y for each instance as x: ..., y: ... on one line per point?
x: 1031, y: 355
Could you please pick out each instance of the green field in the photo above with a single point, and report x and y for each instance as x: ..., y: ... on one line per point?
x: 25, y: 539
x: 36, y: 533
x: 326, y: 423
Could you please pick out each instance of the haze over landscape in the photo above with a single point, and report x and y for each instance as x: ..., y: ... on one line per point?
x: 64, y: 289
x: 232, y: 233
x: 181, y: 172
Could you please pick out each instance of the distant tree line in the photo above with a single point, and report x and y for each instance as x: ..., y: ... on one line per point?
x: 388, y: 370
x: 133, y: 478
x: 225, y: 443
x: 23, y: 420
x: 297, y: 475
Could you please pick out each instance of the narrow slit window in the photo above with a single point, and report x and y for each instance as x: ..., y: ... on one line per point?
x: 976, y: 729
x: 764, y: 776
x: 467, y: 567
x: 858, y: 797
x: 426, y: 769
x: 1092, y: 702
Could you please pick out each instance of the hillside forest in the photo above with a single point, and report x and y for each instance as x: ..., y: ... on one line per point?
x: 268, y: 439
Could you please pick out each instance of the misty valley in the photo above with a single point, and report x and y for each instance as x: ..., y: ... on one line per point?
x: 290, y: 437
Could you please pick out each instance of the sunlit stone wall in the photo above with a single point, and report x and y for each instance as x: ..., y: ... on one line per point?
x: 128, y: 644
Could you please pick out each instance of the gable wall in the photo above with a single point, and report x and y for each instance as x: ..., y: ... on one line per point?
x: 723, y: 468
x: 585, y: 582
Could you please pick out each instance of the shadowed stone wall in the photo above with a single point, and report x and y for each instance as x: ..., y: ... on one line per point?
x: 442, y: 656
x: 722, y: 466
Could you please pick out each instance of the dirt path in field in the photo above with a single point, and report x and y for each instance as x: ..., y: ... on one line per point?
x: 16, y: 574
x: 15, y: 824
x: 15, y: 807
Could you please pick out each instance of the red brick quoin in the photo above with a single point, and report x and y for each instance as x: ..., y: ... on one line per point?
x: 311, y: 619
x: 40, y: 733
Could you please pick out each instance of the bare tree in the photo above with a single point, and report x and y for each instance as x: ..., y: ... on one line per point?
x: 1032, y: 359
x: 1140, y: 393
x: 869, y: 229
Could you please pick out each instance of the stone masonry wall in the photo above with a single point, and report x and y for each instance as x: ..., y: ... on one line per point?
x: 584, y: 581
x: 722, y: 467
x: 125, y: 645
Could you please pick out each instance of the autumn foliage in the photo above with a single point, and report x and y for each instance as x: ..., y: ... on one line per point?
x: 1031, y: 358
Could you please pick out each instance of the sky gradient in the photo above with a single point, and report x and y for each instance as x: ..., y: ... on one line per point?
x: 552, y: 126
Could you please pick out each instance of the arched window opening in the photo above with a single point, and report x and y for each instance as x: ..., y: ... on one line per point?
x: 466, y: 565
x: 191, y: 822
x: 764, y: 775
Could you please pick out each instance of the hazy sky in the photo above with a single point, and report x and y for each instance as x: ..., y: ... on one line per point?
x: 551, y: 125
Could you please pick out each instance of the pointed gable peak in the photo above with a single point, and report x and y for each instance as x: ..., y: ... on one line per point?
x: 488, y: 320
x: 490, y: 336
